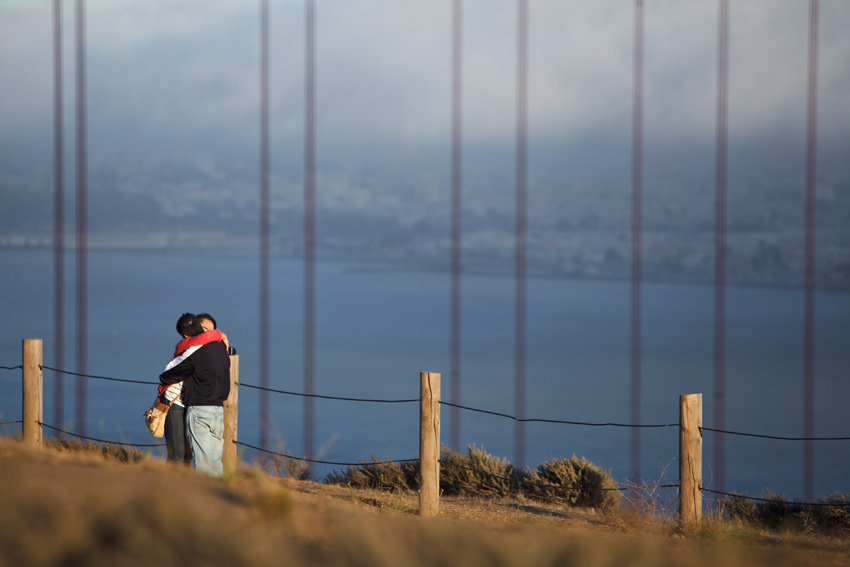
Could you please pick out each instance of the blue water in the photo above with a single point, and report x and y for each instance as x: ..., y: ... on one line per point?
x: 377, y: 328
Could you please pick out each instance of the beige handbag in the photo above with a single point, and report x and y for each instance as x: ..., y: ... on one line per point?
x: 155, y: 417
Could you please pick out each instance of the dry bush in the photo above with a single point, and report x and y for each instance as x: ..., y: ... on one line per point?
x: 575, y: 481
x: 829, y: 516
x: 657, y: 500
x: 648, y: 508
x: 378, y: 475
x: 778, y: 513
x: 738, y: 507
x: 290, y: 467
x: 834, y: 517
x: 477, y: 473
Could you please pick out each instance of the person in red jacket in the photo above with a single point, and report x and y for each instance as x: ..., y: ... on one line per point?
x: 176, y: 441
x: 205, y: 373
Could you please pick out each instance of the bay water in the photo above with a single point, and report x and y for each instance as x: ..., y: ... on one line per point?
x: 378, y: 326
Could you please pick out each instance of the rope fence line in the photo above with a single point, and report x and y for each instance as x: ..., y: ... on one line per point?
x: 537, y: 420
x: 324, y: 462
x: 774, y: 501
x: 326, y: 397
x: 776, y: 437
x: 466, y: 408
x: 385, y: 401
x: 99, y: 377
x: 11, y: 422
x: 100, y: 440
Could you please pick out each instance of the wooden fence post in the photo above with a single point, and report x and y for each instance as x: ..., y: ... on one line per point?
x: 429, y: 444
x: 231, y: 419
x: 690, y: 459
x: 32, y: 392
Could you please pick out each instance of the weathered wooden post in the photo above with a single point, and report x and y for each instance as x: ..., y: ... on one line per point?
x: 429, y: 444
x: 231, y: 418
x: 690, y: 459
x: 32, y: 392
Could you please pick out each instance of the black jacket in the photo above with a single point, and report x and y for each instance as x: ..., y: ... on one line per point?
x: 205, y: 375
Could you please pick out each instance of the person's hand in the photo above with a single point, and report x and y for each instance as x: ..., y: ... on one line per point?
x: 224, y: 340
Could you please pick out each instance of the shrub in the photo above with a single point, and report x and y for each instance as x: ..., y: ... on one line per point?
x: 477, y: 473
x: 738, y: 506
x: 378, y: 475
x: 290, y: 467
x: 833, y: 517
x: 578, y: 482
x: 774, y: 512
x: 777, y: 512
x: 575, y: 481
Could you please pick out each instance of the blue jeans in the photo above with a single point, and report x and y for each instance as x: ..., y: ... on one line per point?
x: 205, y: 426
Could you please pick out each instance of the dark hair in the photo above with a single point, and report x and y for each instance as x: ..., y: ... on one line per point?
x: 200, y: 316
x: 188, y: 325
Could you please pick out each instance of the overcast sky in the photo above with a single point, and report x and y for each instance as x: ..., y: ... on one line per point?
x: 179, y: 81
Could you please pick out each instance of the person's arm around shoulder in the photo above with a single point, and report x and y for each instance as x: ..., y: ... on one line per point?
x: 178, y: 373
x: 206, y: 337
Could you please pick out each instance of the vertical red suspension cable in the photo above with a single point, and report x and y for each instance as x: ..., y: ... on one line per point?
x: 309, y: 227
x: 82, y: 312
x: 521, y: 229
x: 58, y: 216
x: 637, y: 202
x: 456, y: 218
x: 721, y: 176
x: 811, y: 186
x: 264, y: 221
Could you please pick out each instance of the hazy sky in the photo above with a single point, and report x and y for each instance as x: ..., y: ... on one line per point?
x: 173, y: 81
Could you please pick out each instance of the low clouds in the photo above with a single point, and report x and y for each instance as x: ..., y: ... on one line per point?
x: 170, y: 79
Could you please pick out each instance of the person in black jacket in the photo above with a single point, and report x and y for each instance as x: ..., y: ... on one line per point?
x: 205, y: 374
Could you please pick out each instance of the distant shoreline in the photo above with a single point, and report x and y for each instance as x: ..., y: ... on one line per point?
x: 242, y: 246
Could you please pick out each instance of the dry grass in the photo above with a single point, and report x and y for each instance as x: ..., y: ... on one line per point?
x: 61, y: 508
x: 108, y: 451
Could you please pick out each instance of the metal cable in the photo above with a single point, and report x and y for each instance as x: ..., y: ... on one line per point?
x: 774, y: 501
x: 323, y: 462
x: 776, y: 437
x: 527, y: 420
x: 100, y: 440
x: 98, y: 377
x: 328, y: 397
x: 487, y: 412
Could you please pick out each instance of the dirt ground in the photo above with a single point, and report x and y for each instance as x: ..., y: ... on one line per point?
x: 77, y: 509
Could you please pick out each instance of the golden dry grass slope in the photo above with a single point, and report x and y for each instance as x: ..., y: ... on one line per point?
x: 78, y: 509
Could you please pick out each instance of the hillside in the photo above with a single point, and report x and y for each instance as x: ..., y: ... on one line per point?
x: 80, y: 509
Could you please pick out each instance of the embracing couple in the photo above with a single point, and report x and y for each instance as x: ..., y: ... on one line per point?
x: 196, y: 383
